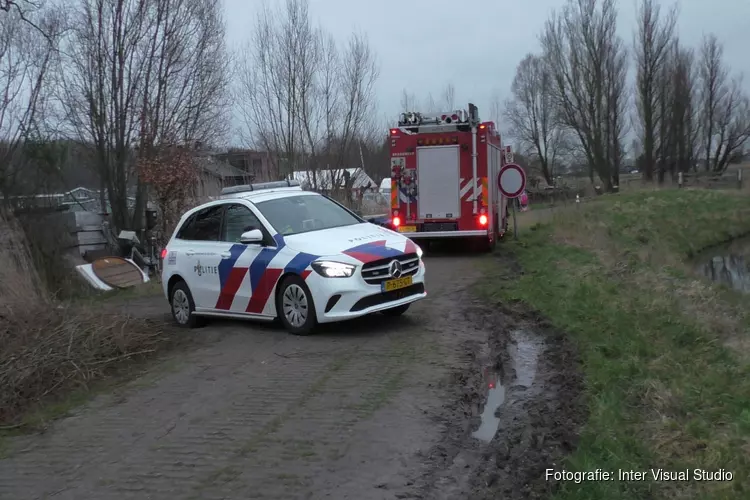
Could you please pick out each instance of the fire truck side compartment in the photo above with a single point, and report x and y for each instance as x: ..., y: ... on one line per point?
x: 437, y: 177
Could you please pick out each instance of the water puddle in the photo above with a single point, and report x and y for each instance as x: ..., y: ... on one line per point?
x: 495, y: 398
x: 729, y: 265
x: 524, y: 353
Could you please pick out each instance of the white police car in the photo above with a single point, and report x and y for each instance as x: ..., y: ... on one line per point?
x: 272, y: 250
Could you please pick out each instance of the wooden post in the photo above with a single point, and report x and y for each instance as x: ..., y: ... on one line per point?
x: 679, y: 180
x: 739, y: 178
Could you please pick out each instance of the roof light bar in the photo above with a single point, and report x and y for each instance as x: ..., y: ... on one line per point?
x: 245, y: 188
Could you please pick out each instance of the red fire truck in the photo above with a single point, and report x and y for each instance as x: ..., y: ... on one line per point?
x: 444, y: 172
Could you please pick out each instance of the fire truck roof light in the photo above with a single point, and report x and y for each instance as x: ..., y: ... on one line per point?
x: 394, y: 131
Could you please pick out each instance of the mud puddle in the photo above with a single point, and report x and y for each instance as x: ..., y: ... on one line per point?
x: 728, y: 264
x: 524, y: 354
x: 517, y: 410
x: 493, y: 401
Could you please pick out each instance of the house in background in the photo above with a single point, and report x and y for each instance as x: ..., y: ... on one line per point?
x: 329, y: 180
x: 220, y: 173
x: 256, y: 163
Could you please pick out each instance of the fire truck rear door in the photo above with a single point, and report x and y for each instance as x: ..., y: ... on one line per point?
x: 438, y: 182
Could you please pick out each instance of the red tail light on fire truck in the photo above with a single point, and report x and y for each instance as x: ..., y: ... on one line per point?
x: 396, y: 221
x: 483, y: 220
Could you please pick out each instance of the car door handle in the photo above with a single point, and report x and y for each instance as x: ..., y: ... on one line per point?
x: 226, y: 255
x: 190, y: 253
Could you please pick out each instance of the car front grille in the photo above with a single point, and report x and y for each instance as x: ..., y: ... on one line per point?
x: 374, y: 273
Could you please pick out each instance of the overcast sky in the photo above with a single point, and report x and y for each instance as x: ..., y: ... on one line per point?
x: 422, y: 45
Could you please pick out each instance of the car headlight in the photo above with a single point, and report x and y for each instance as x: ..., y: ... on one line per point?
x: 420, y: 252
x: 331, y: 269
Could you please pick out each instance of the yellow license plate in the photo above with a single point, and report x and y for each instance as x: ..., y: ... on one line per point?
x: 407, y: 229
x: 397, y: 284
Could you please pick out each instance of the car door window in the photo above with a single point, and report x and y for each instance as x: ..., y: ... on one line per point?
x: 239, y: 219
x: 205, y: 225
x: 187, y: 230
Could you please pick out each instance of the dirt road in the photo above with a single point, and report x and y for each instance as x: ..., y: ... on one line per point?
x: 379, y: 408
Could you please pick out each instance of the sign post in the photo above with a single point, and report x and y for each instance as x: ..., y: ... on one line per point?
x: 512, y: 182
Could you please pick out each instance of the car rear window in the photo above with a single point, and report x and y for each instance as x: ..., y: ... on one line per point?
x: 305, y: 213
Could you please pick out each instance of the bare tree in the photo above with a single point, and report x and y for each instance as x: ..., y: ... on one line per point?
x: 531, y: 114
x: 616, y: 105
x: 25, y: 61
x: 496, y: 109
x: 732, y: 125
x: 304, y: 99
x: 654, y: 37
x: 27, y: 11
x: 449, y: 97
x: 275, y: 74
x: 137, y: 76
x: 678, y: 129
x: 585, y: 58
x: 357, y: 113
x: 713, y: 78
x: 430, y: 106
x: 408, y: 101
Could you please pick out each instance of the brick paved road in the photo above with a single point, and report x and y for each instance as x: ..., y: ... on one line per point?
x: 258, y: 413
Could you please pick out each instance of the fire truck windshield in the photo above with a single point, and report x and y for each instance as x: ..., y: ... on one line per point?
x: 304, y: 213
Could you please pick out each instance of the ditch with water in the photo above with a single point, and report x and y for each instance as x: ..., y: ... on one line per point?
x: 728, y: 264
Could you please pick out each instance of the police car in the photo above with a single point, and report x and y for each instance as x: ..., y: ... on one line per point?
x: 271, y: 250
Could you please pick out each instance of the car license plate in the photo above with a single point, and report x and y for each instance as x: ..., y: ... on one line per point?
x: 397, y: 284
x: 407, y: 229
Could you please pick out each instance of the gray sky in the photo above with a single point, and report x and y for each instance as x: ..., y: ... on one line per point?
x: 422, y: 45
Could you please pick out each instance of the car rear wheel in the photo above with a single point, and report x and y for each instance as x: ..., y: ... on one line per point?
x: 183, y: 307
x: 396, y: 311
x: 295, y: 306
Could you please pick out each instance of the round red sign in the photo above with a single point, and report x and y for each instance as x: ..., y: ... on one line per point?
x: 511, y: 180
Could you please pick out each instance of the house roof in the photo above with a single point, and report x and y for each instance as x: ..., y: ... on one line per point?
x: 325, y: 178
x: 221, y: 169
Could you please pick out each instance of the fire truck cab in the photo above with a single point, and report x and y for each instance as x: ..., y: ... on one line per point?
x: 444, y: 172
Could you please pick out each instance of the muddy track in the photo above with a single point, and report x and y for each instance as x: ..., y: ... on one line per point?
x: 380, y: 408
x: 516, y: 412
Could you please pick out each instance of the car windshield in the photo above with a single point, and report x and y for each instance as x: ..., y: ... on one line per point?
x: 304, y: 213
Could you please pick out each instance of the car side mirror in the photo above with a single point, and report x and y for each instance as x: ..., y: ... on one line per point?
x: 252, y: 237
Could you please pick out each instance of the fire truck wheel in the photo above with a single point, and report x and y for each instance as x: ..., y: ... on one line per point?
x: 486, y: 245
x: 295, y: 307
x: 396, y: 311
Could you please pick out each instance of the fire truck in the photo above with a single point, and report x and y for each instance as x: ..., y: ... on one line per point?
x: 444, y: 170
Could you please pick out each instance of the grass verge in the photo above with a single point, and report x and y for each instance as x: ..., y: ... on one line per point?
x: 665, y: 354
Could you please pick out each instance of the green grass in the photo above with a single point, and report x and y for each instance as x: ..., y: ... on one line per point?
x: 663, y: 387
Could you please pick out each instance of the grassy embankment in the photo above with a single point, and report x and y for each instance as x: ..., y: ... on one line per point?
x: 666, y: 355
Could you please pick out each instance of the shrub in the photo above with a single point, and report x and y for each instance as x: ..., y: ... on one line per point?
x: 48, y: 347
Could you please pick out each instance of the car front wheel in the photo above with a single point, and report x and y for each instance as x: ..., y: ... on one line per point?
x: 183, y: 307
x: 295, y: 306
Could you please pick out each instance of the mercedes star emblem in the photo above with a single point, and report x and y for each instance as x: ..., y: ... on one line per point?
x: 395, y: 269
